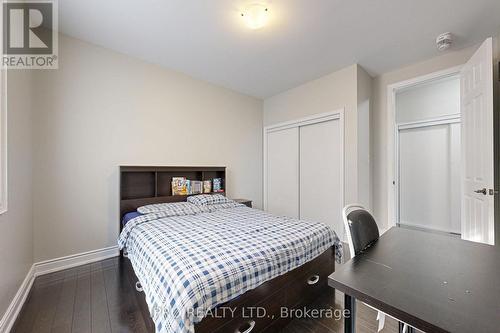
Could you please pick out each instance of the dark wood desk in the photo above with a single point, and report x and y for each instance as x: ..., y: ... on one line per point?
x: 433, y: 282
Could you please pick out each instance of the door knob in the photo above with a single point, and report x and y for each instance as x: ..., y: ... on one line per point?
x: 493, y: 192
x: 483, y: 191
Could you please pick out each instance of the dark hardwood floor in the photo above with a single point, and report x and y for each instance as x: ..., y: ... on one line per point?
x: 100, y: 297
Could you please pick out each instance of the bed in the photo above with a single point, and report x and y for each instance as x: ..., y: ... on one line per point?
x: 221, y: 267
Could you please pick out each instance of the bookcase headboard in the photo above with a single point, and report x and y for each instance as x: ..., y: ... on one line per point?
x: 144, y: 185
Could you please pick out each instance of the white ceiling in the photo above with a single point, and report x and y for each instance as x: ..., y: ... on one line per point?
x: 305, y: 39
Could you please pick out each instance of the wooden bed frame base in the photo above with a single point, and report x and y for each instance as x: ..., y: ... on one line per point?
x: 261, y: 308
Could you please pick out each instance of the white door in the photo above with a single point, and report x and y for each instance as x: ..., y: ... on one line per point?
x: 321, y: 186
x: 477, y: 146
x: 282, y: 172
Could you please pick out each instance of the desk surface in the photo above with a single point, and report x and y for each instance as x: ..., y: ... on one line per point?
x: 433, y: 282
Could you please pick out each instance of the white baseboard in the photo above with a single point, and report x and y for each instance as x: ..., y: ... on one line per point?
x: 46, y: 267
x: 424, y: 227
x: 384, y: 230
x: 58, y: 264
x: 16, y: 305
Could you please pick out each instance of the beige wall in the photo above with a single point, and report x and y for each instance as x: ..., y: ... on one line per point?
x: 379, y: 127
x: 429, y: 100
x: 364, y: 100
x: 102, y: 109
x: 329, y: 93
x: 16, y: 226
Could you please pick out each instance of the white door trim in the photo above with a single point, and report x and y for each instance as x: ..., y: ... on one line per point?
x: 314, y: 119
x: 392, y: 160
x: 4, y: 180
x: 448, y: 119
x: 444, y: 120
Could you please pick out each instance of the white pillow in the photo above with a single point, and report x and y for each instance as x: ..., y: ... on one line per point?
x: 208, y: 199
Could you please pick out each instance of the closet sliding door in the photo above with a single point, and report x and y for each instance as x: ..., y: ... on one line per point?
x: 282, y: 174
x: 321, y: 185
x: 304, y: 169
x: 429, y: 176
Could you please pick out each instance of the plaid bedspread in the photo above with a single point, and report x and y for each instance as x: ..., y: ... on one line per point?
x: 189, y: 264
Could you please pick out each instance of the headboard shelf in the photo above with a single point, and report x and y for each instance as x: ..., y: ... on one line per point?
x: 143, y: 185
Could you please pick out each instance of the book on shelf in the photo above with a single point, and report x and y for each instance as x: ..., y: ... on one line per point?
x: 196, y: 187
x: 180, y: 186
x: 217, y: 185
x: 207, y: 186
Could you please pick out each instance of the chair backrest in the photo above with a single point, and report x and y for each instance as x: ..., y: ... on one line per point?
x: 361, y: 228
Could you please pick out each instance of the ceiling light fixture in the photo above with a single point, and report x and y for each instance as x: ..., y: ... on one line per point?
x: 256, y: 16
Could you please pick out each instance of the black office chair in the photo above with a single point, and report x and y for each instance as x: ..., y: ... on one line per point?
x: 361, y: 228
x: 362, y: 232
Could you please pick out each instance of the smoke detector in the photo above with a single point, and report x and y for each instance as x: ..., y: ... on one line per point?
x: 444, y: 41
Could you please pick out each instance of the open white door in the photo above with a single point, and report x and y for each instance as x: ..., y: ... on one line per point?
x: 477, y: 146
